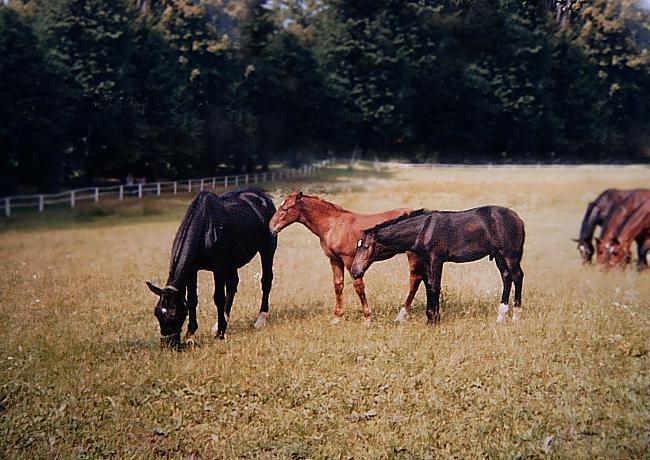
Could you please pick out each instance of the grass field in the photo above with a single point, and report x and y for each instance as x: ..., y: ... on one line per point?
x: 82, y: 374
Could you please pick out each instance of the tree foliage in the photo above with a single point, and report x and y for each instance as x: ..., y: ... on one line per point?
x: 105, y: 88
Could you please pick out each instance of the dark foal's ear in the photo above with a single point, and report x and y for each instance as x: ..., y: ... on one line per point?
x: 299, y: 196
x: 597, y: 240
x: 575, y: 240
x: 615, y: 240
x: 155, y: 289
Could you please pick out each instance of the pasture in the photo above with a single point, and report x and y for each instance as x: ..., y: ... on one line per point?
x: 82, y: 375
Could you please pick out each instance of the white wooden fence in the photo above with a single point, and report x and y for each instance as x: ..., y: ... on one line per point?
x: 70, y: 198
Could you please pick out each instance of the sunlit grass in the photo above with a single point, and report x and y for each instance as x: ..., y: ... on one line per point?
x: 81, y: 373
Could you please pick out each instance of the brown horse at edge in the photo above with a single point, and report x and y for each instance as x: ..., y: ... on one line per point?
x: 339, y: 230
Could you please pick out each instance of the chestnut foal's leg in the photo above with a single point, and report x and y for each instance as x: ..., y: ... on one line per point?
x: 360, y: 289
x: 416, y: 269
x: 642, y: 247
x: 338, y: 278
x: 192, y: 302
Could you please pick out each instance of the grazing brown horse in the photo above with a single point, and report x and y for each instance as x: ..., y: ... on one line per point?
x: 596, y: 214
x: 338, y: 231
x: 445, y: 236
x: 635, y: 228
x: 616, y: 219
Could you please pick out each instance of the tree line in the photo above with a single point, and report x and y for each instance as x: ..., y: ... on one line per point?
x: 97, y: 89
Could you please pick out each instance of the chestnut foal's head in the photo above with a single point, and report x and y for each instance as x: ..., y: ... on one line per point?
x: 170, y: 311
x: 287, y: 213
x: 364, y: 256
x: 616, y: 255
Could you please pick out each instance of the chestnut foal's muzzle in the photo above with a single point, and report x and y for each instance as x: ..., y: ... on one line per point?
x: 172, y: 341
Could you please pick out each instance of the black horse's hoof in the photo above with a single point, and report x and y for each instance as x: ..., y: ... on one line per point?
x: 221, y: 335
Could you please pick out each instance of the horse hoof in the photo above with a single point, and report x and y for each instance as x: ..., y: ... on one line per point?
x: 190, y: 343
x: 516, y: 314
x: 503, y: 310
x: 402, y: 316
x: 221, y: 335
x: 335, y: 320
x: 260, y: 322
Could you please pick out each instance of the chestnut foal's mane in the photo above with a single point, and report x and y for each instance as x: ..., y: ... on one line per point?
x: 324, y: 202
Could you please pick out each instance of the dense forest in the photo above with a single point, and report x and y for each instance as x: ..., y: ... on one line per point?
x: 98, y: 89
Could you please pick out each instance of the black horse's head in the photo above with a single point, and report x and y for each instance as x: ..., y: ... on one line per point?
x: 170, y: 311
x: 586, y: 250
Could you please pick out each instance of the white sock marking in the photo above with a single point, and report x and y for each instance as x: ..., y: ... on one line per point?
x: 503, y: 311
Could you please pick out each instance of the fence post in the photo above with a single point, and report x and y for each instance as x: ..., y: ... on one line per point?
x: 189, y: 186
x: 272, y: 176
x: 214, y: 182
x: 96, y: 194
x: 201, y: 189
x: 236, y: 181
x: 175, y: 187
x: 158, y: 189
x: 246, y: 179
x: 264, y: 177
x: 225, y: 182
x: 139, y: 190
x: 255, y: 178
x: 121, y: 197
x: 41, y: 203
x: 8, y: 207
x: 72, y: 199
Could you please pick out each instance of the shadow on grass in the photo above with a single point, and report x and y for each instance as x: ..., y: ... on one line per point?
x: 171, y: 208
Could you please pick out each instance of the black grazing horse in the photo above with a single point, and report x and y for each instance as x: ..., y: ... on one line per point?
x: 450, y: 236
x: 220, y: 234
x: 596, y: 214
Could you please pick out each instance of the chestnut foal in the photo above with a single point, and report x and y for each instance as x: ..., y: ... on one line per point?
x: 338, y: 231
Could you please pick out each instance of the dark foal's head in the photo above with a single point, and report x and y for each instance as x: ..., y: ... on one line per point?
x: 586, y: 250
x: 287, y: 213
x: 170, y: 311
x: 365, y: 255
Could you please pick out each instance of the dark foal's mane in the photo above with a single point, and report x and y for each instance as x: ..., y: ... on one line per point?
x: 416, y: 213
x: 181, y: 235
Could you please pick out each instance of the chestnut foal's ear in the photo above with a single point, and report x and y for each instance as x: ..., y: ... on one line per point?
x: 615, y: 240
x: 156, y: 290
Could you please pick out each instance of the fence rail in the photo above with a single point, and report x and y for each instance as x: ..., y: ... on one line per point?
x: 40, y: 202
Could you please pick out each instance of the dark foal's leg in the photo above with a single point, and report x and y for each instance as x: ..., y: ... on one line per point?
x: 642, y: 246
x: 506, y: 278
x: 416, y: 269
x: 338, y: 278
x: 266, y: 256
x: 220, y: 302
x: 518, y: 278
x: 432, y: 283
x: 192, y: 302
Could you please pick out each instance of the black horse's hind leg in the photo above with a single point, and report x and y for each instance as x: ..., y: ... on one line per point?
x: 506, y: 278
x: 231, y: 280
x: 432, y: 283
x: 266, y: 256
x: 192, y: 302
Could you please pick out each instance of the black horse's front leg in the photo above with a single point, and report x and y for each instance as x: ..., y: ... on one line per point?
x: 219, y: 328
x: 642, y: 248
x: 192, y: 302
x: 432, y: 283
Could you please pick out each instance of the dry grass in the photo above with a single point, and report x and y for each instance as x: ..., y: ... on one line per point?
x: 81, y: 374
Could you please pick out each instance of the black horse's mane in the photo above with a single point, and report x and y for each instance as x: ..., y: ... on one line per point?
x: 181, y: 234
x: 416, y: 213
